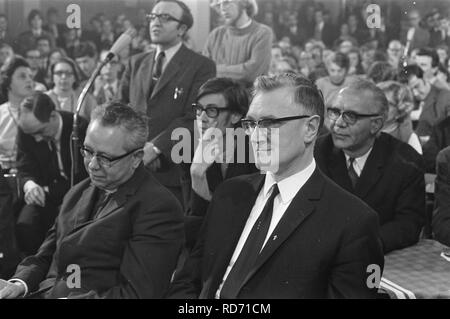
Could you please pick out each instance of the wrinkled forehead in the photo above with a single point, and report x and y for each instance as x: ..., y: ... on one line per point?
x: 348, y: 99
x: 167, y: 7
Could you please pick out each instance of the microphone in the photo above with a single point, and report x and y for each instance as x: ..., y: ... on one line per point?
x: 121, y: 43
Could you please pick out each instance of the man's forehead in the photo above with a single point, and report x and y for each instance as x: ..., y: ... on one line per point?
x: 349, y: 99
x: 168, y: 7
x: 274, y: 103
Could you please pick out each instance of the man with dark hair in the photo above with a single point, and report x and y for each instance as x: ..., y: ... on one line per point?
x: 241, y: 48
x: 120, y: 229
x: 434, y: 103
x: 86, y: 56
x: 428, y: 60
x: 219, y: 107
x: 44, y: 166
x: 384, y: 172
x: 291, y: 233
x: 163, y: 83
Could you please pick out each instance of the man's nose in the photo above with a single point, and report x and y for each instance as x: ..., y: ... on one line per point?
x: 93, y: 163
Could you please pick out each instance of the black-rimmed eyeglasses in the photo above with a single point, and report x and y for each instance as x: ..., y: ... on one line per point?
x: 250, y: 125
x: 211, y: 111
x: 349, y: 117
x: 163, y: 17
x: 103, y: 160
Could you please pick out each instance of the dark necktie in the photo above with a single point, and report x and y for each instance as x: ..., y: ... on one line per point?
x: 54, y: 158
x: 352, y: 173
x: 250, y: 252
x: 159, y: 65
x: 102, y: 200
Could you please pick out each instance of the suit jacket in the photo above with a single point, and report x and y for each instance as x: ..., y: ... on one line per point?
x: 26, y: 40
x: 168, y: 105
x: 441, y: 216
x: 392, y: 183
x: 129, y: 251
x: 420, y: 39
x: 439, y: 139
x: 436, y: 107
x: 195, y: 205
x: 320, y: 248
x: 34, y: 160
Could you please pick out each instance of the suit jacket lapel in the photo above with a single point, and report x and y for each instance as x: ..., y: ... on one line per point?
x: 338, y: 169
x: 300, y: 208
x: 170, y: 71
x: 372, y: 171
x: 82, y: 212
x: 146, y: 75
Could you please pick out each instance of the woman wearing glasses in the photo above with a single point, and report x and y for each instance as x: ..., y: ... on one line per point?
x: 222, y: 150
x: 65, y: 91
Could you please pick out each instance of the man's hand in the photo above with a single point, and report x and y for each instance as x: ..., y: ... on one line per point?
x: 34, y: 194
x: 12, y: 290
x: 207, y: 151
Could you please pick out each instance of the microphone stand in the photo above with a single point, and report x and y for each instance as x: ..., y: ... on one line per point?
x: 75, y: 139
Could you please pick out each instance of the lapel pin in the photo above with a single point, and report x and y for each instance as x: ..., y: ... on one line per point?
x: 178, y: 91
x: 275, y: 237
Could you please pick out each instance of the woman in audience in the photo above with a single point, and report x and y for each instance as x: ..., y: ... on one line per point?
x: 354, y: 58
x: 398, y: 123
x: 65, y: 91
x: 16, y: 83
x: 54, y: 56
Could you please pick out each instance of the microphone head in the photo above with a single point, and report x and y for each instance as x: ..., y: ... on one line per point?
x: 121, y: 43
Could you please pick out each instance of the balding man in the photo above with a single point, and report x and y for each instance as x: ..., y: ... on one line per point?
x: 381, y: 170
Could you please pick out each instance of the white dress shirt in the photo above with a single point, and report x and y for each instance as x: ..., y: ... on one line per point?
x: 288, y: 188
x: 359, y: 162
x: 169, y: 54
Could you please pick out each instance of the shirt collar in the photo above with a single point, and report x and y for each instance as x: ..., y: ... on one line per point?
x: 246, y: 24
x: 170, y: 52
x: 289, y: 186
x: 360, y: 161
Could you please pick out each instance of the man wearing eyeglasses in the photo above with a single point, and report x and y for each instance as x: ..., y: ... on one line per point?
x: 121, y: 228
x: 219, y: 107
x: 44, y: 167
x: 384, y: 172
x: 242, y: 47
x: 289, y: 233
x: 163, y: 84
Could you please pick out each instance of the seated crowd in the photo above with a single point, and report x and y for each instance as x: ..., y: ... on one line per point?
x: 280, y: 162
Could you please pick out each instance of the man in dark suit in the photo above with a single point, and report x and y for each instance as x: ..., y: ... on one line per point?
x: 441, y: 216
x: 220, y: 105
x: 381, y: 170
x: 44, y: 166
x: 434, y: 103
x: 291, y: 233
x: 163, y: 83
x: 121, y: 228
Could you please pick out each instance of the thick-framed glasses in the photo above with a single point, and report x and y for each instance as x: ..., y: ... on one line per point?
x: 163, y: 17
x: 349, y: 117
x: 211, y: 111
x: 102, y: 160
x: 250, y: 125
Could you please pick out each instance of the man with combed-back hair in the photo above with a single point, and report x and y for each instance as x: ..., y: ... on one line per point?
x: 118, y: 233
x: 291, y: 233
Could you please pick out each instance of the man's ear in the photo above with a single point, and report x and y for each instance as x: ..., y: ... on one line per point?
x: 183, y: 29
x: 376, y: 125
x: 312, y: 129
